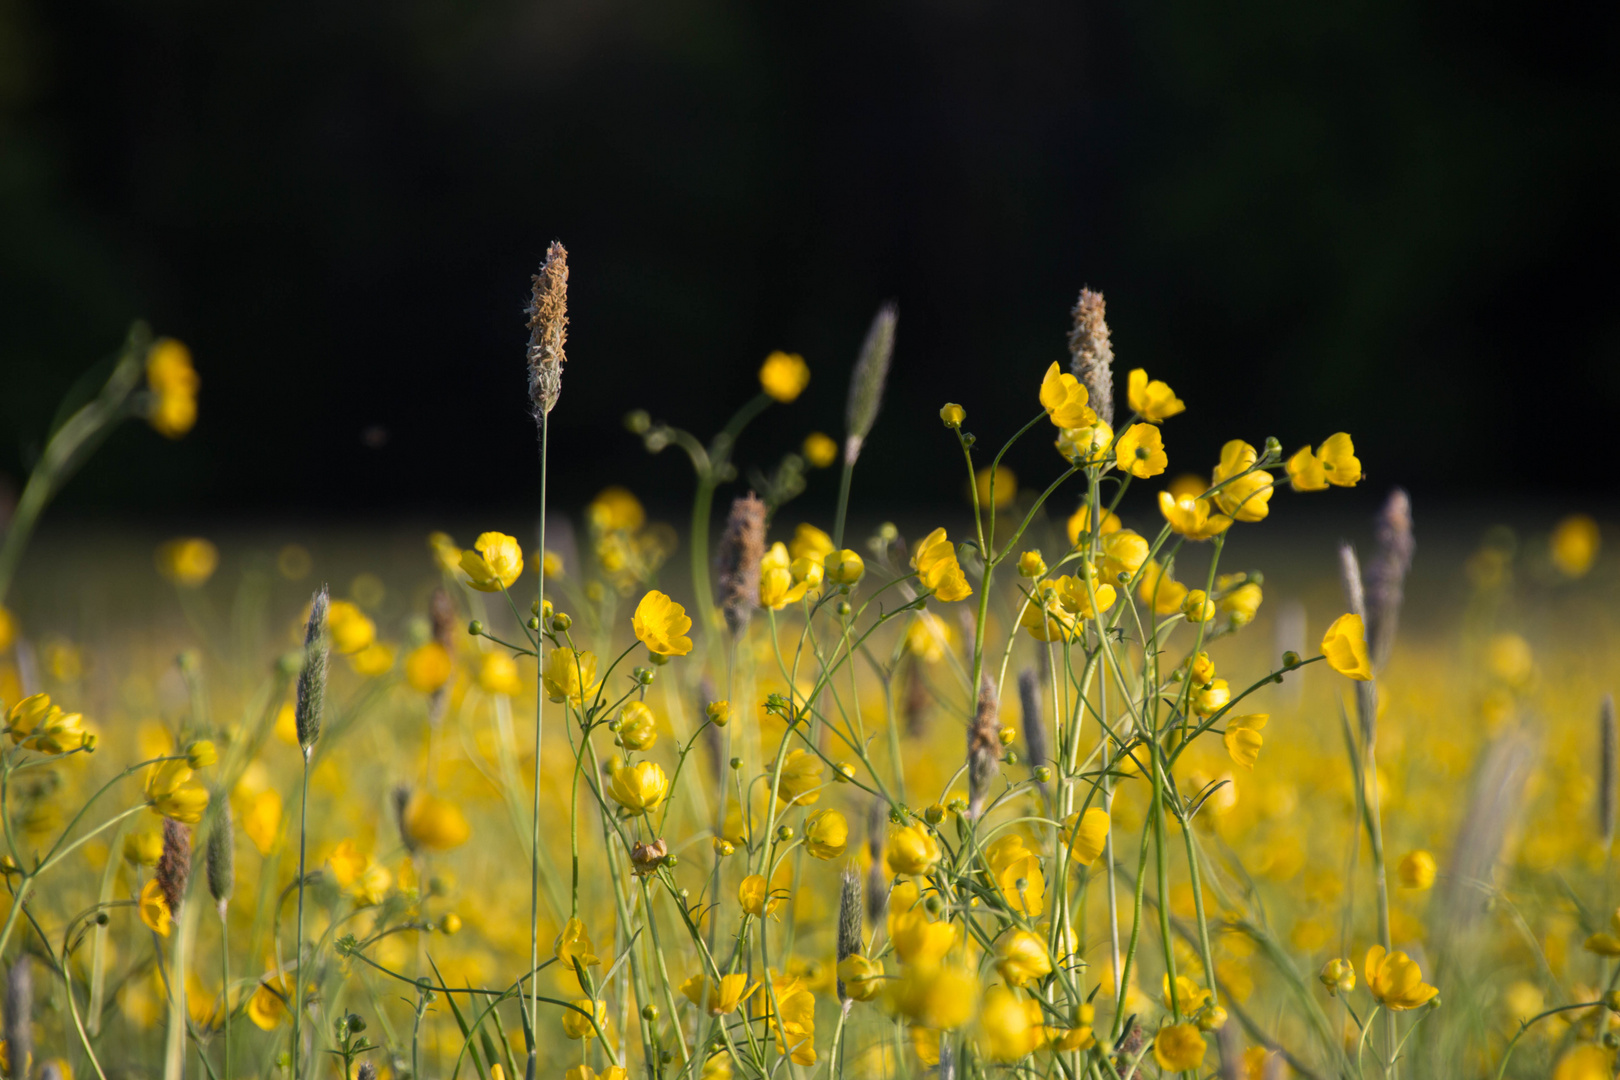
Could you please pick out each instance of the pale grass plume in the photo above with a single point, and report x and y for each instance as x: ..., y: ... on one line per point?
x: 1386, y: 576
x: 1029, y: 700
x: 877, y: 892
x: 548, y: 330
x: 867, y: 381
x: 849, y: 919
x: 174, y: 865
x: 742, y: 546
x: 1091, y: 353
x: 221, y: 856
x: 312, y: 679
x: 984, y: 746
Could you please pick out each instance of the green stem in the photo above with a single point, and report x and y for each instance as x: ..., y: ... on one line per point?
x: 539, y: 709
x: 225, y: 983
x: 298, y: 938
x: 838, y: 519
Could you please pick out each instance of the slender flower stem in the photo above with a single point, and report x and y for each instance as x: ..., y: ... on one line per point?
x: 298, y: 939
x: 843, y: 508
x: 539, y: 708
x: 225, y: 983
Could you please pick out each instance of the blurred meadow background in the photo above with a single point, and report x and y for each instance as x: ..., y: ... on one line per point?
x: 1392, y: 220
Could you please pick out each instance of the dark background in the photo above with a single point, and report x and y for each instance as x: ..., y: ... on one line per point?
x: 1393, y: 218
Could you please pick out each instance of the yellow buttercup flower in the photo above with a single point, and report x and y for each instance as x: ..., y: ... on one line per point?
x: 638, y: 727
x: 718, y: 999
x: 428, y: 667
x: 778, y: 587
x: 795, y: 1027
x: 577, y: 1020
x: 1059, y: 606
x: 174, y: 384
x: 1158, y: 588
x: 154, y: 908
x: 952, y: 415
x: 1012, y: 1027
x: 929, y: 637
x: 34, y: 723
x: 661, y: 625
x: 719, y: 713
x: 941, y: 998
x: 1006, y: 486
x: 1189, y: 995
x: 757, y: 898
x: 1305, y: 471
x: 615, y: 509
x: 1022, y: 957
x: 433, y: 824
x: 819, y: 449
x: 862, y: 978
x: 1080, y: 522
x: 1023, y: 886
x: 170, y: 793
x: 784, y: 376
x: 262, y: 821
x: 498, y: 674
x: 639, y: 787
x: 574, y: 944
x: 268, y: 1006
x: 1123, y: 552
x: 1179, y: 1047
x: 1575, y: 544
x: 1416, y: 869
x: 826, y: 834
x: 1212, y: 698
x: 1339, y: 976
x: 800, y: 784
x: 1588, y: 1061
x: 585, y: 1072
x: 1084, y: 444
x: 1065, y: 400
x: 1243, y: 603
x: 912, y: 849
x: 1345, y: 646
x: 1088, y: 834
x: 373, y: 660
x: 936, y: 566
x: 570, y: 676
x: 188, y: 562
x: 495, y: 564
x: 920, y: 939
x: 1031, y: 565
x: 1246, y: 495
x: 1140, y: 451
x: 844, y: 567
x: 1243, y: 739
x: 350, y: 628
x: 1193, y: 518
x: 1603, y: 944
x: 1338, y: 459
x: 1152, y: 400
x: 1395, y: 980
x: 810, y: 542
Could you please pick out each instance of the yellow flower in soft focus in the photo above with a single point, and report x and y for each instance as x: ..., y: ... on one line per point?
x: 433, y: 824
x: 844, y: 567
x: 1395, y: 980
x: 268, y: 1006
x: 1243, y: 739
x: 929, y: 638
x: 1179, y: 1047
x: 639, y: 787
x: 188, y: 562
x: 1243, y: 603
x: 1140, y: 451
x: 784, y: 376
x: 1152, y: 400
x: 1083, y: 444
x: 1006, y: 486
x: 373, y: 660
x: 719, y: 713
x: 170, y: 794
x: 661, y: 625
x: 777, y: 587
x: 862, y: 978
x: 1080, y: 522
x: 1338, y: 975
x: 941, y: 997
x: 795, y: 1028
x: 1416, y: 870
x: 810, y: 542
x: 1212, y: 698
x: 584, y: 1072
x: 428, y: 667
x: 34, y: 723
x: 1589, y: 1061
x: 1603, y: 944
x: 819, y: 450
x: 1188, y: 486
x: 1123, y: 552
x: 1189, y: 995
x: 1345, y: 646
x: 912, y: 849
x: 1012, y: 1027
x: 718, y: 999
x: 1158, y: 588
x: 577, y: 1020
x: 757, y: 898
x: 1510, y: 659
x: 1192, y: 517
x: 1022, y: 957
x: 262, y: 822
x: 1575, y: 544
x: 638, y: 727
x: 1201, y: 669
x: 143, y: 848
x: 495, y: 564
x: 349, y: 627
x: 800, y: 783
x: 1088, y: 834
x: 498, y: 674
x: 1245, y: 495
x: 1059, y: 604
x: 174, y: 386
x: 574, y: 943
x: 570, y: 676
x: 1197, y: 606
x: 154, y: 908
x: 1338, y: 459
x: 937, y: 568
x: 1305, y: 471
x: 826, y: 834
x: 615, y: 509
x: 952, y: 415
x: 1023, y: 886
x: 1031, y: 565
x: 1065, y: 399
x: 1078, y: 1037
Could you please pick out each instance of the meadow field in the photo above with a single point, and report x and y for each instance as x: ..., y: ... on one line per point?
x: 990, y: 792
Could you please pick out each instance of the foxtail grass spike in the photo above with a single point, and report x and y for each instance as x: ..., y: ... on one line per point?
x: 19, y: 1025
x: 849, y: 919
x: 1494, y: 806
x: 1386, y: 577
x: 1609, y: 740
x: 868, y: 379
x: 548, y: 330
x: 367, y: 1071
x: 984, y: 746
x: 221, y: 864
x: 174, y: 865
x: 742, y: 546
x: 1091, y: 353
x: 312, y: 680
x: 1029, y: 699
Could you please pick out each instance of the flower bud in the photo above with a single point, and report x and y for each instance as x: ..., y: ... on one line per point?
x: 1290, y: 660
x: 844, y: 567
x: 644, y: 676
x: 1043, y: 774
x: 724, y: 847
x: 934, y: 814
x: 475, y: 628
x: 1339, y: 976
x: 201, y: 754
x: 736, y: 763
x: 649, y: 1012
x: 843, y: 772
x: 1212, y: 1018
x: 1031, y: 564
x: 952, y: 416
x: 637, y: 421
x: 719, y: 713
x: 561, y: 621
x: 449, y: 923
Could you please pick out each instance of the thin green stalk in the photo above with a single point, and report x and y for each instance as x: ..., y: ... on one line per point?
x: 539, y: 709
x: 843, y: 502
x: 298, y: 939
x: 225, y: 983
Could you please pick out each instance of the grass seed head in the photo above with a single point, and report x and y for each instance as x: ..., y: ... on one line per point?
x: 174, y: 865
x: 984, y: 746
x: 742, y: 546
x: 312, y: 679
x: 1029, y: 699
x: 866, y: 382
x: 1386, y: 577
x: 1091, y: 354
x: 548, y: 330
x: 222, y: 855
